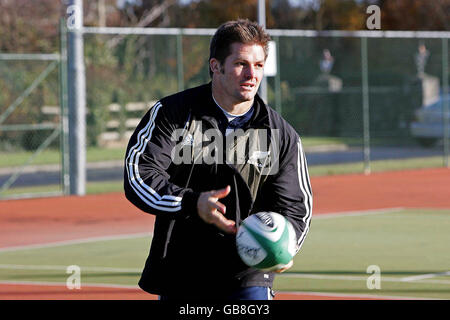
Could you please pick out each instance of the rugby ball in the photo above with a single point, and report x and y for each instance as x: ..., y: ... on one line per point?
x: 266, y: 241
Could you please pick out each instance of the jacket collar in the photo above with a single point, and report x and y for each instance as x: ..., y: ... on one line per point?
x: 204, y: 107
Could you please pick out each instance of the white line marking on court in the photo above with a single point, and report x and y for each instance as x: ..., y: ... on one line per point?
x: 61, y: 284
x: 118, y: 286
x: 426, y: 276
x: 356, y: 213
x: 76, y: 241
x: 417, y: 279
x: 355, y: 278
x: 64, y: 268
x: 149, y: 234
x: 355, y: 296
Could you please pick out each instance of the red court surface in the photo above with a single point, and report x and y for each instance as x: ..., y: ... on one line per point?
x: 49, y: 220
x: 58, y: 292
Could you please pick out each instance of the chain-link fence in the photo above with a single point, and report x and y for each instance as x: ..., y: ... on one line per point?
x: 31, y: 136
x: 361, y: 101
x: 319, y: 88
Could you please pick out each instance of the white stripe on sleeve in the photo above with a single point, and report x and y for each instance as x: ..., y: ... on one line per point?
x: 147, y: 194
x: 305, y: 187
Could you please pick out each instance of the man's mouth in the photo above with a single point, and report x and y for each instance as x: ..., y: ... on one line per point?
x: 248, y: 85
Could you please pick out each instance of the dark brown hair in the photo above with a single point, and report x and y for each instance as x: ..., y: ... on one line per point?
x: 241, y: 31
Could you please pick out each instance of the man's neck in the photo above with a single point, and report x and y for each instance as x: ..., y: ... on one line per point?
x: 232, y: 107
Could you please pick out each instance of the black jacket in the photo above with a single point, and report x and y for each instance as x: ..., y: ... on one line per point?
x: 185, y: 251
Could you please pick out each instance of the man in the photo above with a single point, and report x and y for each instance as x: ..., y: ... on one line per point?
x: 182, y: 166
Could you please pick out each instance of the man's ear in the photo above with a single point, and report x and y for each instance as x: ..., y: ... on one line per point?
x: 214, y: 65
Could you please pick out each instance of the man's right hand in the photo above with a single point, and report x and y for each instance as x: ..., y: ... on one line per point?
x: 212, y: 211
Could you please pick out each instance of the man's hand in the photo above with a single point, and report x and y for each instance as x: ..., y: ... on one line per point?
x: 212, y: 211
x: 288, y: 266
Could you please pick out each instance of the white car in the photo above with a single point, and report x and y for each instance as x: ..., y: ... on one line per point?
x: 428, y: 126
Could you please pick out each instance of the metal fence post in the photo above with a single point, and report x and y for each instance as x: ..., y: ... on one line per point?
x: 180, y: 64
x: 64, y: 145
x: 76, y: 98
x: 262, y: 22
x: 365, y: 106
x: 278, y: 98
x: 445, y: 102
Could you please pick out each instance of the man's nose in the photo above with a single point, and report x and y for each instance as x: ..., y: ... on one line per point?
x: 250, y: 72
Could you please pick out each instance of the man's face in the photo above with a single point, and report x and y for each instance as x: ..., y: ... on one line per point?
x: 238, y: 78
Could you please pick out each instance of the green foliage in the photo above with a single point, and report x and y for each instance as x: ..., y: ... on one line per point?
x: 122, y: 69
x: 395, y: 91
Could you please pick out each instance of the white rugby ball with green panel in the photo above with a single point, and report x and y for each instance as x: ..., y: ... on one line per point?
x: 266, y: 241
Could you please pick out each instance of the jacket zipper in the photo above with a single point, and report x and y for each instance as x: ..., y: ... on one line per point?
x: 238, y: 215
x: 236, y: 172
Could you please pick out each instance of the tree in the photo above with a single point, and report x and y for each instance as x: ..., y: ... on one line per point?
x: 415, y: 14
x: 29, y: 26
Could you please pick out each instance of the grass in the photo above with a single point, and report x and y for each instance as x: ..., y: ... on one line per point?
x: 51, y: 263
x: 376, y: 166
x: 91, y: 188
x: 100, y: 154
x: 358, y: 141
x: 334, y: 258
x: 321, y: 170
x: 402, y: 242
x: 96, y: 154
x: 321, y: 141
x: 51, y: 156
x: 339, y: 250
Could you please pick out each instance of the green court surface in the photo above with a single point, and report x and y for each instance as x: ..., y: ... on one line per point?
x: 410, y: 248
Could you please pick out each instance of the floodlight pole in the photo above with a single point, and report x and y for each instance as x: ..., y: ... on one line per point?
x: 262, y: 22
x: 76, y: 98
